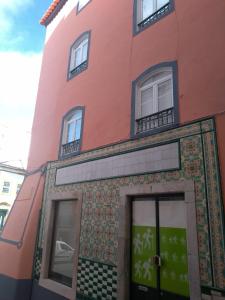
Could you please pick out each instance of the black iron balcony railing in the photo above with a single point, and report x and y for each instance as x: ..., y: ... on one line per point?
x: 79, y: 68
x: 71, y: 147
x: 154, y: 121
x: 155, y: 16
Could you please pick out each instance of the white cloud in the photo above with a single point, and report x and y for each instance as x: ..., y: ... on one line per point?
x: 9, y: 8
x: 19, y: 76
x: 13, y: 5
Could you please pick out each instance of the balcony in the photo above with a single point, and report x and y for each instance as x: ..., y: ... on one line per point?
x: 70, y: 148
x: 164, y: 10
x: 155, y: 121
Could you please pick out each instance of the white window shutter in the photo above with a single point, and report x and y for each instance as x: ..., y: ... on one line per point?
x: 147, y: 102
x: 165, y: 95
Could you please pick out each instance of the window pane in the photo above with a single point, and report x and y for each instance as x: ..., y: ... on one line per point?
x: 165, y: 95
x: 155, y: 77
x: 78, y: 129
x: 63, y: 243
x: 82, y: 3
x: 78, y: 114
x: 147, y: 107
x: 84, y: 51
x: 147, y: 8
x: 78, y: 56
x: 72, y: 59
x: 161, y: 3
x: 70, y: 132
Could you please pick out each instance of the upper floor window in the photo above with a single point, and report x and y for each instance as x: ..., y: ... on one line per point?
x: 79, y: 55
x: 155, y: 100
x: 6, y: 186
x: 81, y: 4
x: 72, y: 132
x: 150, y: 11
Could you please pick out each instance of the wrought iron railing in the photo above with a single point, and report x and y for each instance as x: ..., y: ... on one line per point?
x: 79, y: 68
x: 154, y: 121
x: 155, y: 16
x: 71, y: 147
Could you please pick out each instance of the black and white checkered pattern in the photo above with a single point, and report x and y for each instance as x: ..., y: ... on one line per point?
x: 37, y: 263
x: 96, y: 280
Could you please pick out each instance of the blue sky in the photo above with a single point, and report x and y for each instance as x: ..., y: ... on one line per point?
x: 21, y: 45
x: 19, y: 25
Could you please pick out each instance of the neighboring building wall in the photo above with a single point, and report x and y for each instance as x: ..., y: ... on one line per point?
x: 10, y: 184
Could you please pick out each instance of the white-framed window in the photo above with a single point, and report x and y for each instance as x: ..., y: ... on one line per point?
x: 155, y: 99
x: 155, y: 94
x: 148, y: 12
x: 6, y: 187
x: 81, y: 4
x: 72, y: 131
x: 79, y: 55
x: 73, y: 127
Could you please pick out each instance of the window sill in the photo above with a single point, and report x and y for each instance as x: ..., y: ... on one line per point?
x: 57, y: 288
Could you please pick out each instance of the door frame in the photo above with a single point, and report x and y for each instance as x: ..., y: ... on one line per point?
x: 126, y: 194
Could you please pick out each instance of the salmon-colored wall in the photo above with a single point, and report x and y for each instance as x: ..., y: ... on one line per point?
x: 220, y: 125
x: 192, y: 35
x: 18, y: 262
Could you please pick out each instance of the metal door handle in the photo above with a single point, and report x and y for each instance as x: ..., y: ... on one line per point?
x: 156, y: 259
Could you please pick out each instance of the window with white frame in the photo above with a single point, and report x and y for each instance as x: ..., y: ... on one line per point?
x: 79, y: 55
x: 154, y: 101
x: 155, y: 94
x: 6, y: 187
x: 71, y: 132
x: 149, y: 11
x: 81, y: 4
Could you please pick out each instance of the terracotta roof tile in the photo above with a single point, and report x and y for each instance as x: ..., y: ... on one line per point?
x: 51, y: 12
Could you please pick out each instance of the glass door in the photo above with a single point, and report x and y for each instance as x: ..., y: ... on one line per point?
x: 159, y: 267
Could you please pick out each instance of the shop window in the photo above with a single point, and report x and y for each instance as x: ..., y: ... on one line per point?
x: 79, y: 55
x: 72, y: 132
x: 155, y: 100
x: 61, y: 244
x: 148, y: 12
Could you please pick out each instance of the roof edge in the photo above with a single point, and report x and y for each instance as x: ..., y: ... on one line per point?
x: 52, y: 11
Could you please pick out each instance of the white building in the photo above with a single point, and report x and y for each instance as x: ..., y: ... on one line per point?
x: 11, y: 179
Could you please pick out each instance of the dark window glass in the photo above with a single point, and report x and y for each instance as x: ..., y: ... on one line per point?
x: 63, y: 243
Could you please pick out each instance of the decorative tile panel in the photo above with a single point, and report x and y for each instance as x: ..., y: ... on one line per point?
x: 100, y: 211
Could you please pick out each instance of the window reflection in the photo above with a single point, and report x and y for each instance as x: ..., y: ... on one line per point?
x: 63, y: 243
